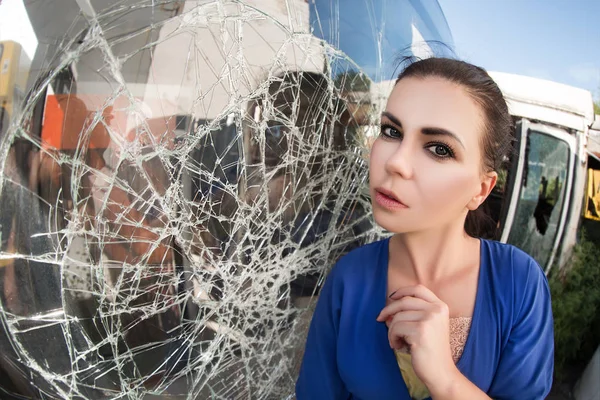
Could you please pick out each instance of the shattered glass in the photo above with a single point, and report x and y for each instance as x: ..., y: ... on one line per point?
x: 176, y: 179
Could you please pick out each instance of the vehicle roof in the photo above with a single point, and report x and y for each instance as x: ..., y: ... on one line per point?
x: 545, y: 100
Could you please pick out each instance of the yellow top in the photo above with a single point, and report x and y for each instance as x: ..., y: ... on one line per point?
x: 459, y: 331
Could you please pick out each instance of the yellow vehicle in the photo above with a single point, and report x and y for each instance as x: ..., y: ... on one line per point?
x: 14, y: 71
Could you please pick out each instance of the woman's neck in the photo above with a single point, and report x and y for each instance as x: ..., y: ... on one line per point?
x: 431, y: 256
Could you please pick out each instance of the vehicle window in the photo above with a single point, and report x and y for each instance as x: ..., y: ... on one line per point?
x: 542, y: 195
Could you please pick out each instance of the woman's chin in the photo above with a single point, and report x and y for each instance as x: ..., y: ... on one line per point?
x: 392, y: 226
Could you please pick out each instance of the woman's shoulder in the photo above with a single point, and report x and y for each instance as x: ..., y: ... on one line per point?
x: 507, y: 257
x: 360, y: 262
x: 509, y: 266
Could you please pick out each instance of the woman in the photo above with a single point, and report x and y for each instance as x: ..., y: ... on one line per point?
x: 467, y: 318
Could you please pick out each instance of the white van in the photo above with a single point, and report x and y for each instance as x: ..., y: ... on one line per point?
x: 540, y: 193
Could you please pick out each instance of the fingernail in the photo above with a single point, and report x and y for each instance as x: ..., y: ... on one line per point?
x: 393, y: 293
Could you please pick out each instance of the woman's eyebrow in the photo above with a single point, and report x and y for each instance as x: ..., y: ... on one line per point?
x: 432, y: 131
x: 441, y: 132
x: 389, y: 116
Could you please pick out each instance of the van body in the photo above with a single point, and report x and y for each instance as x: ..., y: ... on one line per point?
x: 543, y: 184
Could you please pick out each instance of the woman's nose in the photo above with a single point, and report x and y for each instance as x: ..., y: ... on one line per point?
x: 400, y: 162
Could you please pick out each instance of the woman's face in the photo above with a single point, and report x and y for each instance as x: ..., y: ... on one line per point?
x: 426, y: 165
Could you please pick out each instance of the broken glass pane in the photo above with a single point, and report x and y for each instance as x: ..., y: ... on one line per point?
x: 177, y: 178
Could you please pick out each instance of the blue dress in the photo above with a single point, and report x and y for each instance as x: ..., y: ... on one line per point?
x: 509, y: 352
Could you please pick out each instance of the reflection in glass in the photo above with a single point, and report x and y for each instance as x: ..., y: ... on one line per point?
x: 176, y: 180
x: 542, y: 194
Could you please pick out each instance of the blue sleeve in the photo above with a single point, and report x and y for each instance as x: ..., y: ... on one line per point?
x: 319, y: 377
x: 527, y: 361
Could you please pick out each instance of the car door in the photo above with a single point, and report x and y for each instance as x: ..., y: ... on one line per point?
x: 540, y: 195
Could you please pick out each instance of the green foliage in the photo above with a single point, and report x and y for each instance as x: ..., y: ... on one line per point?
x: 576, y: 308
x: 352, y: 81
x: 597, y: 107
x: 501, y: 181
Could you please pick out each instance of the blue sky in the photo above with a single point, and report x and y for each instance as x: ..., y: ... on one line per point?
x: 551, y: 39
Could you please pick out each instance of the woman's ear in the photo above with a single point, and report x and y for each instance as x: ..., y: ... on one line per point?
x: 488, y: 182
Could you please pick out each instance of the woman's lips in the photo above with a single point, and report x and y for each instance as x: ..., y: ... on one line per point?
x: 388, y: 202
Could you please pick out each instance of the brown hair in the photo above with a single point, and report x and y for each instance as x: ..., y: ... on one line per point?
x: 497, y: 138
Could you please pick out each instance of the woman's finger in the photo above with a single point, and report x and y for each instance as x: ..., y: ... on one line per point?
x: 405, y: 316
x: 400, y: 333
x: 418, y: 291
x: 407, y: 303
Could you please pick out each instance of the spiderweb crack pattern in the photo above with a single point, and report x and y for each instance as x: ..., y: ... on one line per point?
x: 209, y: 170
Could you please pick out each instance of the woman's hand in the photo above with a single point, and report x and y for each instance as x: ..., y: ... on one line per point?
x: 418, y: 319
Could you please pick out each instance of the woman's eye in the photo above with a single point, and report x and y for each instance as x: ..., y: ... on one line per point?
x: 440, y: 150
x: 391, y: 132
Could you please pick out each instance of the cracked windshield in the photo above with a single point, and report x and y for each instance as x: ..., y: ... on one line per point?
x: 178, y: 178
